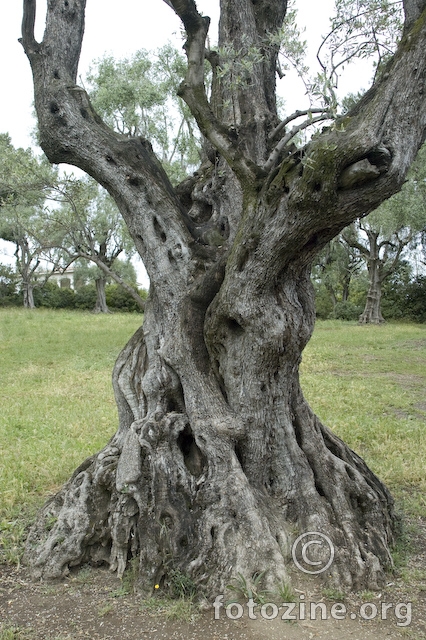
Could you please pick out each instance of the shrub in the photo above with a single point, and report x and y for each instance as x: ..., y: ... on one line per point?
x: 8, y: 288
x: 54, y: 297
x: 85, y: 297
x: 347, y: 311
x: 415, y: 299
x: 119, y: 298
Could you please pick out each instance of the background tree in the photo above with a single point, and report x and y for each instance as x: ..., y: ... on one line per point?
x: 335, y: 269
x: 117, y: 296
x: 138, y: 96
x: 218, y: 459
x: 384, y: 234
x: 25, y: 181
x: 88, y: 225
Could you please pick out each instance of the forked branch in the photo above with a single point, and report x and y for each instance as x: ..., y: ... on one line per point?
x: 192, y: 90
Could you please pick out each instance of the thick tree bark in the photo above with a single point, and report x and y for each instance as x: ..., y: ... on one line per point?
x: 28, y: 292
x: 219, y: 462
x: 372, y: 313
x: 101, y: 303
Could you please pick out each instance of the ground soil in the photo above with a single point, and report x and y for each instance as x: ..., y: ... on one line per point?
x: 91, y: 603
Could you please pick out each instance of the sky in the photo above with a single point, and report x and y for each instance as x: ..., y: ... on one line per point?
x: 121, y: 29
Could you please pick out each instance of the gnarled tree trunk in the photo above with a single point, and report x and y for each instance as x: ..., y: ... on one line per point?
x: 219, y: 462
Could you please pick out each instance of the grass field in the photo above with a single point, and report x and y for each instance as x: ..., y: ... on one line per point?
x: 57, y: 405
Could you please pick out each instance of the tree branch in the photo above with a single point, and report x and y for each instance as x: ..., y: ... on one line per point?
x: 269, y: 164
x: 28, y: 40
x: 293, y: 116
x: 72, y: 132
x: 192, y: 91
x: 355, y: 245
x: 112, y: 274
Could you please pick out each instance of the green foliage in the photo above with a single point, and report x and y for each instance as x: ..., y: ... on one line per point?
x: 404, y: 214
x: 291, y: 45
x: 366, y: 29
x: 85, y: 297
x: 347, y: 310
x: 24, y: 178
x: 54, y: 297
x: 128, y: 581
x: 180, y: 585
x: 26, y: 181
x: 50, y: 296
x: 182, y: 609
x: 337, y: 279
x: 381, y: 240
x: 334, y: 594
x: 8, y: 632
x: 118, y: 298
x: 138, y: 96
x: 249, y: 588
x: 405, y: 297
x: 9, y: 295
x: 87, y: 221
x: 236, y: 65
x: 286, y: 593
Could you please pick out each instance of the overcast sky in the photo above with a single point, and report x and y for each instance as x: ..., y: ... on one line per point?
x: 121, y: 28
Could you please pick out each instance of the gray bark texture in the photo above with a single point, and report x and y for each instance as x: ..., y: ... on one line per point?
x: 28, y: 295
x: 101, y: 303
x: 372, y: 313
x: 218, y: 462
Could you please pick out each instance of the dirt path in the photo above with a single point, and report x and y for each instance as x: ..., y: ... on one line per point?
x: 92, y: 604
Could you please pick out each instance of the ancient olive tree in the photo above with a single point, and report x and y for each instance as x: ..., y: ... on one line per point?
x: 384, y: 235
x: 218, y: 461
x: 88, y: 225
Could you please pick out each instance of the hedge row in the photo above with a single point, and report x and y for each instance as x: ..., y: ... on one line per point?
x: 54, y: 297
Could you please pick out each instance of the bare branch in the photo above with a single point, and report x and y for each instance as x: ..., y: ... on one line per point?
x: 290, y: 118
x: 286, y: 139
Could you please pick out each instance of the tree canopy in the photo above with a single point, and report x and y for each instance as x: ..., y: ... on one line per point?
x: 138, y: 97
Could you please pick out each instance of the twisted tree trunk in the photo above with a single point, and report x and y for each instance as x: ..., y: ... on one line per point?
x: 219, y: 462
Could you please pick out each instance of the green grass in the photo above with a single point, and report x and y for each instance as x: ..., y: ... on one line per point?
x: 368, y: 383
x: 57, y: 404
x: 14, y: 633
